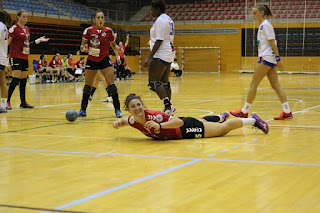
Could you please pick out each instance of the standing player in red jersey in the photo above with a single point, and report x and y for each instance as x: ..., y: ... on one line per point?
x: 96, y: 40
x: 160, y: 125
x: 19, y: 41
x: 121, y: 67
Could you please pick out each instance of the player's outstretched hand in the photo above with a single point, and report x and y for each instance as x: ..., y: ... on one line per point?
x: 43, y: 39
x: 117, y: 124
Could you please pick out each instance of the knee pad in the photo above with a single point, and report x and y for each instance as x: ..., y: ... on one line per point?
x: 87, y: 89
x: 153, y: 85
x: 112, y: 89
x: 167, y: 85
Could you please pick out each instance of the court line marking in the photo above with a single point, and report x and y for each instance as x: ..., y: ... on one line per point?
x: 36, y: 208
x: 298, y: 126
x: 162, y: 157
x: 107, y: 191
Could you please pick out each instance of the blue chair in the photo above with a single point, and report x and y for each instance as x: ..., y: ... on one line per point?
x: 35, y: 63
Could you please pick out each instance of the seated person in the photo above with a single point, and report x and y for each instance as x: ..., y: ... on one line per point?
x: 61, y: 73
x: 175, y: 68
x: 43, y: 69
x: 127, y: 72
x: 80, y: 67
x: 67, y: 68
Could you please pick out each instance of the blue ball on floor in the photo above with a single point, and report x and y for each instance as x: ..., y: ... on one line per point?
x: 71, y: 115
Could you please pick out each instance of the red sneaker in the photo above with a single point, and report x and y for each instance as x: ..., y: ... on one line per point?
x: 283, y: 116
x: 238, y: 113
x: 8, y: 105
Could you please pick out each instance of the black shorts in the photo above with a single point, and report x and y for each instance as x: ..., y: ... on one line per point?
x: 192, y: 128
x: 104, y: 63
x: 19, y: 64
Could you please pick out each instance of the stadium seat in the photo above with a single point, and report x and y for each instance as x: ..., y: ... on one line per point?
x: 284, y: 16
x: 228, y: 17
x: 235, y: 17
x: 242, y: 17
x: 222, y: 17
x: 195, y: 18
x: 208, y: 18
x: 181, y: 18
x: 292, y: 16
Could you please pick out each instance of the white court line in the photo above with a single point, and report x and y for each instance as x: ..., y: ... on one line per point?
x: 298, y: 126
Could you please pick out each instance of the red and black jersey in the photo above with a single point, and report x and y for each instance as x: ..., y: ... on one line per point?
x: 41, y: 63
x: 158, y: 117
x: 98, y: 42
x: 20, y: 44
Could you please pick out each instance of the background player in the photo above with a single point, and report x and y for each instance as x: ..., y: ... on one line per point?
x: 19, y: 41
x: 96, y: 41
x: 161, y: 55
x: 269, y: 59
x: 5, y: 21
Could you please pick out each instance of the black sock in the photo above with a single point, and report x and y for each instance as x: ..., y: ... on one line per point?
x: 13, y: 84
x: 85, y: 97
x: 92, y: 91
x: 214, y: 118
x: 116, y: 102
x: 108, y: 92
x: 22, y: 87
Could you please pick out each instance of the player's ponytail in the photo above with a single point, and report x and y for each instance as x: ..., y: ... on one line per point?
x: 265, y: 9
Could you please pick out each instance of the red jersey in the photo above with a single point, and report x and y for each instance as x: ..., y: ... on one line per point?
x: 20, y: 45
x: 41, y: 63
x: 158, y: 117
x: 79, y: 63
x: 98, y: 42
x: 53, y: 63
x: 72, y: 63
x: 121, y: 51
x: 60, y: 63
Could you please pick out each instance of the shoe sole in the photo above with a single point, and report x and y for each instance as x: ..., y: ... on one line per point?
x: 282, y: 118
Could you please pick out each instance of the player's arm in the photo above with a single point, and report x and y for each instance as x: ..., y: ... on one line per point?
x: 127, y: 41
x: 120, y: 123
x: 274, y: 47
x: 155, y: 48
x: 171, y: 124
x: 9, y: 40
x: 84, y: 45
x: 116, y: 49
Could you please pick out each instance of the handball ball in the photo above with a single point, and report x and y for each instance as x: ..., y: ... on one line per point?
x: 71, y: 115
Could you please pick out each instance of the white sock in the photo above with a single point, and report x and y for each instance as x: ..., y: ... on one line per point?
x: 246, y: 107
x: 4, y: 102
x: 286, y: 107
x: 248, y: 121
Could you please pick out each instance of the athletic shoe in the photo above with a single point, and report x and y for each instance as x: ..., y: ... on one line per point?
x: 26, y: 106
x: 3, y: 110
x: 8, y: 105
x: 82, y: 113
x: 108, y: 99
x: 90, y: 98
x: 170, y: 111
x: 260, y: 124
x: 118, y: 113
x: 224, y: 116
x: 238, y: 113
x: 283, y: 116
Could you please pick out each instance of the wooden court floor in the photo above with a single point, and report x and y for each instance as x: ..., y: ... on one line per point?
x: 87, y: 166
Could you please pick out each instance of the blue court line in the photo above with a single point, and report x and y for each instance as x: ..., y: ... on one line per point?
x: 255, y: 139
x: 166, y: 157
x: 224, y: 150
x: 67, y: 205
x: 211, y: 155
x: 235, y: 146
